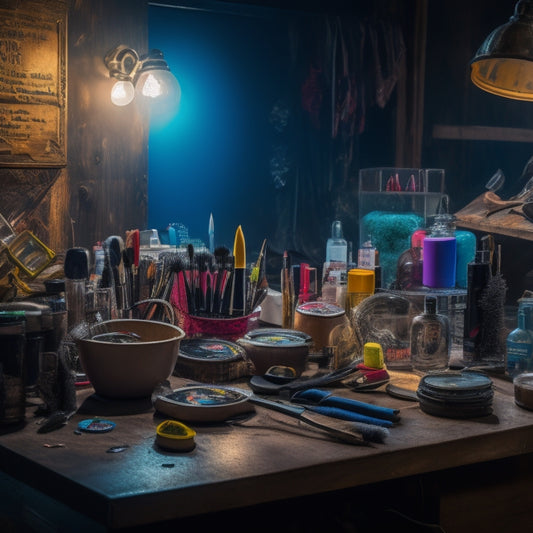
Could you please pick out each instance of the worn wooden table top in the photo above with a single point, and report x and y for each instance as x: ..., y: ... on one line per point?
x: 266, y: 458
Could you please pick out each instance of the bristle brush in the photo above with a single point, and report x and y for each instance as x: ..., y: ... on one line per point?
x: 221, y: 258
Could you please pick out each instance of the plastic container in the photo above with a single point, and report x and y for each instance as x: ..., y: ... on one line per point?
x: 361, y: 284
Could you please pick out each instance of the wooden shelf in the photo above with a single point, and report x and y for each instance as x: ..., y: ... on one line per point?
x: 475, y: 216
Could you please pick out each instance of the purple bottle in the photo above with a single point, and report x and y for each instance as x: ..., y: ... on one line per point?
x: 440, y: 254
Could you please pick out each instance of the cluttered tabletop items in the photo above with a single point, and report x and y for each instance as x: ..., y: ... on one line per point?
x: 172, y: 352
x: 157, y: 355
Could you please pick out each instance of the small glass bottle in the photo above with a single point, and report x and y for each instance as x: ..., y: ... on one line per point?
x: 336, y: 246
x: 430, y: 338
x: 519, y: 347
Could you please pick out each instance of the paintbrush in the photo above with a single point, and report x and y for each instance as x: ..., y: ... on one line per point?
x: 192, y: 278
x: 254, y: 279
x: 221, y: 258
x: 238, y: 296
x: 338, y: 429
x: 227, y: 290
x: 211, y: 233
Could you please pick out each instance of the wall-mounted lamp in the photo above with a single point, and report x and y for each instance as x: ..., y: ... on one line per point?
x: 503, y: 65
x: 148, y: 76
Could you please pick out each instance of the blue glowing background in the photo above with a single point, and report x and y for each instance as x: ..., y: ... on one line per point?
x: 213, y: 156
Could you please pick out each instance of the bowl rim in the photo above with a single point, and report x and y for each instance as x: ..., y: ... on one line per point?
x: 179, y: 336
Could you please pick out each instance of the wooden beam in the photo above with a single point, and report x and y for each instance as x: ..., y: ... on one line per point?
x: 482, y: 133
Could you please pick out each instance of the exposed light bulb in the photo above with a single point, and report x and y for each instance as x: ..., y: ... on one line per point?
x: 122, y: 93
x: 151, y: 87
x: 161, y: 90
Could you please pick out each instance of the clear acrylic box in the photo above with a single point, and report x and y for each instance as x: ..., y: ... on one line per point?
x: 393, y: 203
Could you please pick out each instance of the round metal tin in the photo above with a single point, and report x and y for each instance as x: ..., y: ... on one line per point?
x: 277, y: 337
x: 456, y: 394
x: 211, y: 360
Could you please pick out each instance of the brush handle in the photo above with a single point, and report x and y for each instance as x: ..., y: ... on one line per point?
x: 226, y: 294
x: 323, y: 398
x: 338, y: 429
x: 239, y: 292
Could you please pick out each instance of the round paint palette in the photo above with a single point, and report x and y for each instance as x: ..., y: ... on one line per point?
x: 96, y: 425
x: 204, y: 403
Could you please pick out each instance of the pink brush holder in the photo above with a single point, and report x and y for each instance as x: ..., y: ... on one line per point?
x: 222, y: 328
x: 227, y: 328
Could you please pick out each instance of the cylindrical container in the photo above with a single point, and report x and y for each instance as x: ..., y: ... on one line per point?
x: 466, y: 253
x: 211, y: 360
x: 361, y: 284
x: 76, y: 275
x: 276, y: 347
x: 440, y: 258
x: 318, y: 319
x: 12, y: 348
x: 523, y: 390
x: 479, y: 275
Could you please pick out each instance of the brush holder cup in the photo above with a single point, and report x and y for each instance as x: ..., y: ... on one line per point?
x: 230, y: 329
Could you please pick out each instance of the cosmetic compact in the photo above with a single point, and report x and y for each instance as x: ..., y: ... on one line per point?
x: 211, y: 360
x: 456, y: 394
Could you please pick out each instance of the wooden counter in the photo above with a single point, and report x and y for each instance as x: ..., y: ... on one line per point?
x: 265, y: 459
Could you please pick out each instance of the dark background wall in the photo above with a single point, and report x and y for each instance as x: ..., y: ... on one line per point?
x: 104, y: 188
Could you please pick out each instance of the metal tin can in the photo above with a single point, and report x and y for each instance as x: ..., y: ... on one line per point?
x: 318, y: 319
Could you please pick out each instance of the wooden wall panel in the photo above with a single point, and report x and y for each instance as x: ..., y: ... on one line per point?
x: 103, y: 189
x: 108, y: 147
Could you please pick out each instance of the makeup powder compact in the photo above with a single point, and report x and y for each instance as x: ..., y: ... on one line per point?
x: 211, y: 360
x: 456, y: 394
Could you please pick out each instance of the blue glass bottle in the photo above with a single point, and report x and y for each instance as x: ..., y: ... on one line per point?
x: 519, y: 347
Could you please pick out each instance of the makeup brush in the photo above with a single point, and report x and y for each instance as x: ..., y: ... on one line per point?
x: 221, y: 258
x: 192, y: 278
x: 227, y: 290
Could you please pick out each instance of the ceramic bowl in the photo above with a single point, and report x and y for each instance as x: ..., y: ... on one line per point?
x: 267, y: 347
x: 134, y: 369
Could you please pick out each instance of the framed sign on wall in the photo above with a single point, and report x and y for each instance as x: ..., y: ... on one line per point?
x: 32, y: 84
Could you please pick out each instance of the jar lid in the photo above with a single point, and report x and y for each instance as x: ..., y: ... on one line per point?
x: 361, y: 280
x: 324, y: 309
x: 277, y: 337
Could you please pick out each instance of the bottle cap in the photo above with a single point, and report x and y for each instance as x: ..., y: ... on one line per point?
x: 76, y: 265
x: 417, y: 238
x: 361, y: 280
x: 430, y: 305
x: 373, y: 355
